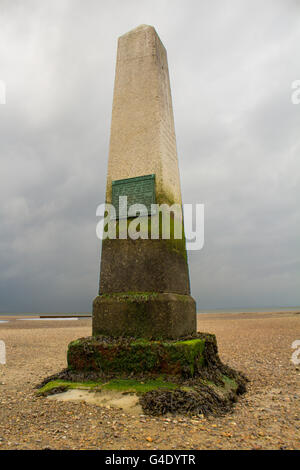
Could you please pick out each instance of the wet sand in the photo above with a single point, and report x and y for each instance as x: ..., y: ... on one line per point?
x: 258, y: 344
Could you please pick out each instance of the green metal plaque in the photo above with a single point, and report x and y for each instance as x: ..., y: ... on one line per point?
x: 139, y: 190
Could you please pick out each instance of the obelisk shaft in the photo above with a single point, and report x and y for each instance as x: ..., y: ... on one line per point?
x: 142, y: 131
x: 144, y: 284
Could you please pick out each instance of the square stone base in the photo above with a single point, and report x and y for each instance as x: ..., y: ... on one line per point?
x: 144, y: 315
x: 123, y: 356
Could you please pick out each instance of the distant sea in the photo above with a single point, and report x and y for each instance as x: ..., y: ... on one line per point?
x: 216, y: 310
x: 71, y: 314
x: 250, y: 310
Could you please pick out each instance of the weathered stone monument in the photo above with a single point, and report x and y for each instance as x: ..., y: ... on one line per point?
x: 144, y: 319
x: 144, y: 283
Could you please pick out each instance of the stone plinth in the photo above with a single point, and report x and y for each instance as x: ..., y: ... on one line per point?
x: 146, y: 315
x: 141, y: 356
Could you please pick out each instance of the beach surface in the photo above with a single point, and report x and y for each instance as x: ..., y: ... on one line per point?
x: 258, y: 344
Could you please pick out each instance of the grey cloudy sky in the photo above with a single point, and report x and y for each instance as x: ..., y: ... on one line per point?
x: 231, y: 65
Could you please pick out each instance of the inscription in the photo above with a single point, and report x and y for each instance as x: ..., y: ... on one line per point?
x: 139, y: 190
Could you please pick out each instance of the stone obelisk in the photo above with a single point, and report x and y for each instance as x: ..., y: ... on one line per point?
x: 144, y: 283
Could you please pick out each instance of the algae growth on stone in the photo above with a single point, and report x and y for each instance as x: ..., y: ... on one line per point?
x: 184, y: 377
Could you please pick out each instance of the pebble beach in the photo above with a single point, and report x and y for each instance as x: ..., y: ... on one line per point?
x: 258, y: 344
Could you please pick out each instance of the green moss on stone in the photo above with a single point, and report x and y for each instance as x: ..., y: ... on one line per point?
x: 130, y: 296
x: 57, y: 384
x: 121, y: 385
x: 189, y: 353
x: 131, y: 385
x: 137, y: 356
x: 172, y: 244
x: 171, y: 376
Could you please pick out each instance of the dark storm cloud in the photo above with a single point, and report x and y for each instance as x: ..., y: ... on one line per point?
x: 231, y: 64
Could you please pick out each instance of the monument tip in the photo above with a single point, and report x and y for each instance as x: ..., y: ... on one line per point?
x: 141, y: 27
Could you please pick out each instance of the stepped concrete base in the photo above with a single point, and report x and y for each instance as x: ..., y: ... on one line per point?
x: 138, y: 356
x: 144, y: 315
x: 184, y: 376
